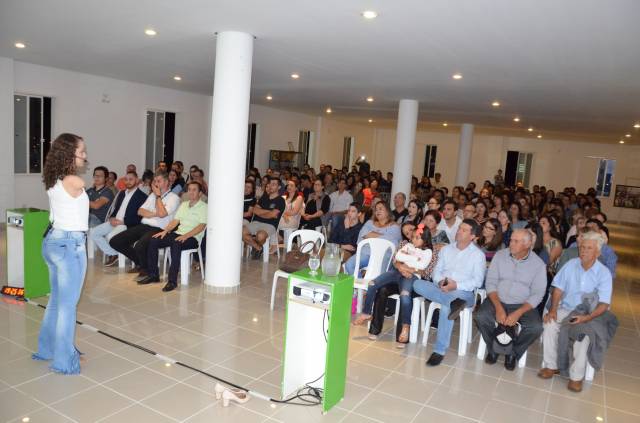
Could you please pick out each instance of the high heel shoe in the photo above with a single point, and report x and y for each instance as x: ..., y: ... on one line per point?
x: 234, y: 395
x: 219, y: 389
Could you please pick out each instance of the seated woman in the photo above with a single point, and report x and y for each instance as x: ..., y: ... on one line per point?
x: 346, y: 231
x: 431, y: 220
x: 515, y: 216
x: 481, y: 212
x: 412, y: 258
x: 190, y: 221
x: 491, y: 239
x: 174, y: 182
x: 293, y: 200
x: 505, y: 227
x: 551, y: 241
x: 579, y: 222
x: 317, y: 205
x: 382, y: 226
x: 414, y: 213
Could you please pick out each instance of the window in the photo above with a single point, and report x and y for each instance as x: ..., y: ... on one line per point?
x: 32, y: 132
x: 518, y: 168
x: 347, y: 151
x: 304, y: 146
x: 161, y: 128
x: 604, y: 177
x: 251, y: 145
x: 430, y: 161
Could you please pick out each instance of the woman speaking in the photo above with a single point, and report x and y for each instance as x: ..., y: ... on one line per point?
x: 64, y: 251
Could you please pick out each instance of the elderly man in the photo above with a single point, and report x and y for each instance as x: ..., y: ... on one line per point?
x: 580, y: 277
x: 399, y: 206
x: 459, y: 271
x: 516, y: 282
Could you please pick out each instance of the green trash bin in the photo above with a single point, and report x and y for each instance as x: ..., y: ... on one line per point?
x: 26, y: 267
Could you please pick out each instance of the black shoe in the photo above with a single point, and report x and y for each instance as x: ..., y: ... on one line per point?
x: 510, y: 362
x: 435, y: 359
x: 257, y: 254
x: 142, y: 276
x: 170, y: 286
x: 456, y: 307
x: 135, y: 269
x: 148, y: 279
x: 491, y: 358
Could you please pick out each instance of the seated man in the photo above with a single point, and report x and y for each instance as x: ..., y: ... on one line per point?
x: 124, y: 216
x: 121, y: 184
x: 399, y: 206
x: 340, y: 201
x: 100, y: 197
x: 460, y: 270
x: 516, y: 282
x: 190, y: 219
x: 266, y: 215
x: 578, y: 278
x: 156, y: 212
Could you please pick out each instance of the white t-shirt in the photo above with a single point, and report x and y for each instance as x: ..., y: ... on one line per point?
x: 416, y: 258
x: 340, y: 202
x: 125, y: 202
x: 450, y: 231
x: 171, y: 203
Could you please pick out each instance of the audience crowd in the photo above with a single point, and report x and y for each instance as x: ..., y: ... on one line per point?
x: 539, y: 257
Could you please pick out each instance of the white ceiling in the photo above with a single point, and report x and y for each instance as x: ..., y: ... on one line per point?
x: 565, y: 66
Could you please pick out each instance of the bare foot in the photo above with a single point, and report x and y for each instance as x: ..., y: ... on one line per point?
x: 403, y: 338
x: 362, y: 319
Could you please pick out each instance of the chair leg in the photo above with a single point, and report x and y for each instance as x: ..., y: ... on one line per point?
x: 427, y: 322
x: 465, y: 318
x: 90, y: 248
x: 418, y: 305
x: 274, y: 284
x: 523, y: 360
x: 395, y: 317
x: 185, y: 267
x: 482, y: 348
x: 265, y: 250
x: 360, y: 298
x: 122, y: 261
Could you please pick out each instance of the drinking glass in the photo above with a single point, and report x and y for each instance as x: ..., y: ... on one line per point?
x: 314, y: 263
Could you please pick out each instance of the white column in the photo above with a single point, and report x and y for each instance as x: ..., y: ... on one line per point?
x: 464, y: 154
x: 7, y: 178
x: 405, y: 144
x: 227, y: 155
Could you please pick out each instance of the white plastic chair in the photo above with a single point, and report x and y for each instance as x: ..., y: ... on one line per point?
x: 305, y: 235
x: 482, y: 349
x: 466, y: 321
x: 417, y: 313
x: 265, y: 250
x: 186, y: 257
x: 378, y: 249
x: 91, y: 248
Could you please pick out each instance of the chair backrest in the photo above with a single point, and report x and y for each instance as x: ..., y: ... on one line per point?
x: 305, y: 235
x: 377, y: 251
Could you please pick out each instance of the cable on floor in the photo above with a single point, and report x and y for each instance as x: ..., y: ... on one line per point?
x: 308, y: 395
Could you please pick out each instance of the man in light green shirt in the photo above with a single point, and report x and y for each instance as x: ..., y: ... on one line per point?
x: 190, y: 221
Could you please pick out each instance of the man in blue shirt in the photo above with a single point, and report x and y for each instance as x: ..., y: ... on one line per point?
x: 584, y: 275
x: 459, y: 271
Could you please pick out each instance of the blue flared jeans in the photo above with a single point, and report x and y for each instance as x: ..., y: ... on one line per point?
x: 66, y: 256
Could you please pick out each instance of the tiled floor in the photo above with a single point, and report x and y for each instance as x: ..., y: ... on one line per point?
x: 238, y: 338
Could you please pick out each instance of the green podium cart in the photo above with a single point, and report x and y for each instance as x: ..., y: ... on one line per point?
x: 25, y: 266
x: 317, y: 334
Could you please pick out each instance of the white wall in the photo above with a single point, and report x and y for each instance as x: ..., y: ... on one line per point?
x: 115, y: 134
x: 6, y: 129
x: 114, y: 131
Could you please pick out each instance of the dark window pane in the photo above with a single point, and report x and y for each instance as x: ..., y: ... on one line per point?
x: 35, y: 134
x: 151, y: 123
x: 169, y: 134
x: 46, y: 128
x: 20, y: 122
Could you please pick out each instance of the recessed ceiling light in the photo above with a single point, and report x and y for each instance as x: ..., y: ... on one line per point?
x: 268, y: 97
x: 150, y: 32
x: 369, y: 14
x: 20, y: 45
x: 457, y: 76
x: 329, y: 110
x: 627, y: 135
x: 637, y: 125
x: 530, y: 129
x: 295, y: 76
x: 26, y: 419
x: 370, y: 121
x: 177, y: 78
x: 255, y: 320
x: 621, y: 141
x: 539, y: 136
x: 370, y: 99
x: 495, y: 103
x: 167, y: 364
x: 516, y: 119
x: 445, y: 124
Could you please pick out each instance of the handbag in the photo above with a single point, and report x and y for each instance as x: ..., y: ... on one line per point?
x: 297, y: 259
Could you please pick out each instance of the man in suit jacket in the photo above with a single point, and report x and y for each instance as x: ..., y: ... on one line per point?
x: 123, y: 215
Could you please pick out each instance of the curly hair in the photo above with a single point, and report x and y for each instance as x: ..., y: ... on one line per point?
x: 61, y: 159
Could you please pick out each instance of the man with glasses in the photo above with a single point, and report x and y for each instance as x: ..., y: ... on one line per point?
x: 516, y: 283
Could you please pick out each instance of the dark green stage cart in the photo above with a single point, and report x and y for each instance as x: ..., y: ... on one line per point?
x: 316, y: 338
x: 25, y: 265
